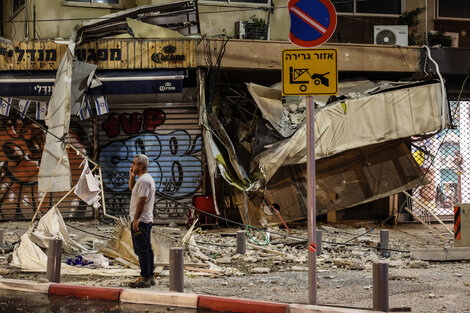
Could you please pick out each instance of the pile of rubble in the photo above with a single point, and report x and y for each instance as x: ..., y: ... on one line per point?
x: 293, y: 112
x: 214, y: 252
x: 289, y: 253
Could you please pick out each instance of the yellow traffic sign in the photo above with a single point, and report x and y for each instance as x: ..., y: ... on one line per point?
x: 309, y: 72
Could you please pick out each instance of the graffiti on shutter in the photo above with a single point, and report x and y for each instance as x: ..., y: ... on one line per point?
x: 21, y: 146
x: 171, y: 138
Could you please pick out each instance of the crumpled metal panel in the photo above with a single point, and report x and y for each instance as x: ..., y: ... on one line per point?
x: 179, y: 16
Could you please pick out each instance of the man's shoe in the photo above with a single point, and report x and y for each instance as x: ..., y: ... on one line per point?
x: 141, y: 282
x: 152, y: 281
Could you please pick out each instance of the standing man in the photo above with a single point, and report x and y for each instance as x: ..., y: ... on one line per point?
x: 141, y: 213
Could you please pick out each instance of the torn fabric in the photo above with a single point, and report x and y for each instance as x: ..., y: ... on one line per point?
x: 52, y: 225
x: 57, y: 121
x: 82, y: 74
x: 88, y: 188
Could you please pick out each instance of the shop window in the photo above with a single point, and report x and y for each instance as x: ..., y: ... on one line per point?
x: 369, y: 6
x: 453, y: 9
x: 17, y: 5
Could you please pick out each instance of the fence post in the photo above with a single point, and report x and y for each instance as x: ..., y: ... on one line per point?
x: 380, y: 286
x: 176, y: 279
x: 384, y: 246
x: 241, y: 242
x: 54, y: 255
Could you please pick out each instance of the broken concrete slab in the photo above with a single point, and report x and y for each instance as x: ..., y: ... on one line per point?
x: 260, y: 270
x: 441, y: 254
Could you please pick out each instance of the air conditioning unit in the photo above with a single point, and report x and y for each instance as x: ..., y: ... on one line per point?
x: 239, y: 30
x: 391, y: 35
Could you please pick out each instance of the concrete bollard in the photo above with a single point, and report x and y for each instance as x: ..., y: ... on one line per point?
x: 319, y: 235
x: 176, y: 278
x: 54, y: 256
x: 380, y: 286
x: 241, y: 242
x: 384, y: 247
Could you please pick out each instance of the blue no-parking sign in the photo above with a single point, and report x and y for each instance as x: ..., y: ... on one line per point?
x: 312, y: 22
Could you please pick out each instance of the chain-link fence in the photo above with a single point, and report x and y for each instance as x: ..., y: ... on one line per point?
x: 445, y: 159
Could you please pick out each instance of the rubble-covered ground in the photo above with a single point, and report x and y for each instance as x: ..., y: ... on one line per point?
x: 278, y: 271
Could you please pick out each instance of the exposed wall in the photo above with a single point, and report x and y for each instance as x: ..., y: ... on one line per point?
x: 53, y: 20
x: 215, y: 19
x: 57, y: 19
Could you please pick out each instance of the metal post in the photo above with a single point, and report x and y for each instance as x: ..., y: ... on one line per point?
x: 319, y: 234
x: 176, y: 269
x: 384, y: 248
x: 54, y: 255
x: 312, y: 256
x: 1, y: 237
x: 380, y: 286
x: 241, y: 242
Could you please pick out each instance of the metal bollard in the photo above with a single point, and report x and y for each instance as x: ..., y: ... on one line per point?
x: 380, y: 286
x: 319, y: 239
x: 241, y: 242
x: 384, y: 248
x: 176, y: 269
x: 54, y: 255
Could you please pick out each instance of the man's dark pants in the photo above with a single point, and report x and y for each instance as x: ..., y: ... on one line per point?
x: 143, y: 248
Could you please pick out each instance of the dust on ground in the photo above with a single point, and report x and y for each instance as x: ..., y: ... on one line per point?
x: 279, y: 271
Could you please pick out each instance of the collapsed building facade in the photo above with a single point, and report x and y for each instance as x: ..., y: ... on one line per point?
x: 209, y: 115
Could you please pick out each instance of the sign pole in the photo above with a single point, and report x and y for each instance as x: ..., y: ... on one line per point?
x: 310, y: 72
x: 312, y: 247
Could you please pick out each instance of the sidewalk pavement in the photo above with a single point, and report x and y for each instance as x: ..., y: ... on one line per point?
x: 175, y: 299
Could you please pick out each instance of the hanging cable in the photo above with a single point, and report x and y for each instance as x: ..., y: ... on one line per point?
x: 443, y: 90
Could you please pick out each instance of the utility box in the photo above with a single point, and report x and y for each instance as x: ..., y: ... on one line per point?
x: 462, y: 225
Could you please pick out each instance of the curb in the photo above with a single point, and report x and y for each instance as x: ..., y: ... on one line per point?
x: 186, y: 300
x: 103, y: 293
x: 176, y: 299
x: 241, y: 305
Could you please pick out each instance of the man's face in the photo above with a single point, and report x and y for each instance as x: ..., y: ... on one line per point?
x: 136, y: 166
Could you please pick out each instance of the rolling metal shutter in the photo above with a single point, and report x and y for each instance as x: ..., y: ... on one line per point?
x: 169, y: 134
x: 21, y: 146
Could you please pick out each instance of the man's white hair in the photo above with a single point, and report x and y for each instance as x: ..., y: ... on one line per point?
x: 143, y: 159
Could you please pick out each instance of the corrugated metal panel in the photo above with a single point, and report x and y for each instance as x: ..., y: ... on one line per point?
x: 21, y: 146
x: 168, y: 133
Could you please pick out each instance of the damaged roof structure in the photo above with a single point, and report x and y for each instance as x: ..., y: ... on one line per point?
x: 362, y: 146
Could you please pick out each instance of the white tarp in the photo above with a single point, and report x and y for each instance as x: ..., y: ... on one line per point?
x: 355, y: 123
x: 30, y: 254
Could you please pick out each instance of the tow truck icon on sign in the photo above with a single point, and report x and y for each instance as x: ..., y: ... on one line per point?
x: 296, y: 76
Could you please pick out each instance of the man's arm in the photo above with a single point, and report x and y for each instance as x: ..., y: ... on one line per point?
x: 138, y: 212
